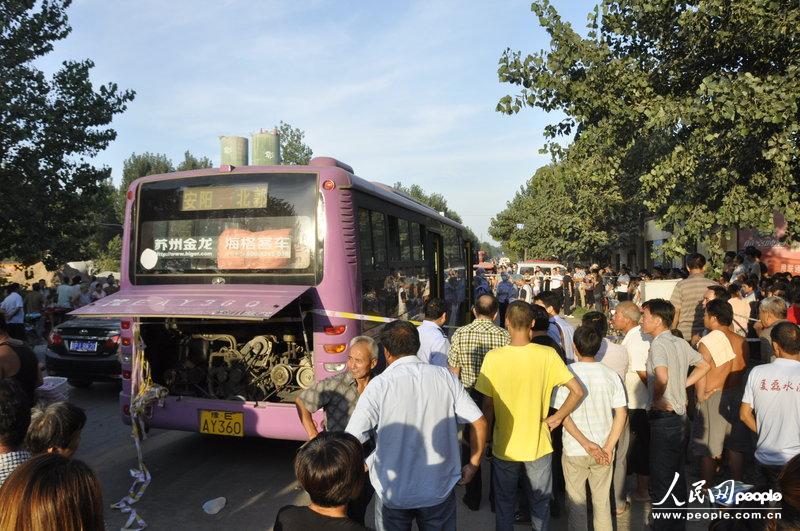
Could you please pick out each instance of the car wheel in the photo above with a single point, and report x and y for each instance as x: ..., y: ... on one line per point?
x: 80, y: 384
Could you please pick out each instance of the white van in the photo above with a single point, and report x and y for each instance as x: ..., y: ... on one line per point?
x: 530, y: 266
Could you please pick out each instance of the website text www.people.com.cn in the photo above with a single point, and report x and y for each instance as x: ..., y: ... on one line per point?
x: 734, y: 514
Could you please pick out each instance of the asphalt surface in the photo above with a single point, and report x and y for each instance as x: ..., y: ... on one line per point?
x: 254, y: 475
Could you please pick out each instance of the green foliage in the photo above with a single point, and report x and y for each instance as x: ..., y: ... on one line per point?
x: 109, y: 258
x: 687, y: 111
x: 142, y: 165
x: 492, y: 251
x: 293, y: 150
x: 52, y: 198
x: 190, y: 162
x: 435, y: 201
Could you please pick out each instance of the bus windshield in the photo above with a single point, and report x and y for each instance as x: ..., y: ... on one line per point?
x: 233, y: 227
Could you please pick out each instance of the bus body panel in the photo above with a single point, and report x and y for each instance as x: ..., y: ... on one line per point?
x: 339, y: 289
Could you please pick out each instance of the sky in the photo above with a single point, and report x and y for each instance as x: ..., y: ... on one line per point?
x: 401, y: 91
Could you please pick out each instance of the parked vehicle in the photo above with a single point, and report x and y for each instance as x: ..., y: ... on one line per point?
x: 546, y: 267
x: 84, y: 350
x: 223, y: 292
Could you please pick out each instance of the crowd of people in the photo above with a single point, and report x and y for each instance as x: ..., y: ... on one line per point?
x: 42, y: 487
x: 574, y: 422
x: 604, y: 414
x: 43, y: 307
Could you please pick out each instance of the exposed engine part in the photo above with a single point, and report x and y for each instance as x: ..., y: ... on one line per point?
x: 281, y: 374
x: 305, y: 374
x: 260, y: 368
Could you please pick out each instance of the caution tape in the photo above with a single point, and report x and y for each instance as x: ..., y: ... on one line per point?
x: 360, y: 317
x: 147, y: 393
x: 371, y: 318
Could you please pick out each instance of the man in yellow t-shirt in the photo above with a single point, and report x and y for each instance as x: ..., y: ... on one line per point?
x: 518, y: 381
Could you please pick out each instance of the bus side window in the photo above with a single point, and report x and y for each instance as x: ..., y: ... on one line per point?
x: 394, y: 239
x: 365, y: 239
x: 405, y: 240
x: 417, y: 249
x: 379, y: 238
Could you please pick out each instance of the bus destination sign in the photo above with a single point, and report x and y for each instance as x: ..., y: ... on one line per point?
x: 198, y: 198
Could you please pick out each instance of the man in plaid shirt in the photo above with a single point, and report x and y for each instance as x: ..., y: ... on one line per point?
x: 468, y: 347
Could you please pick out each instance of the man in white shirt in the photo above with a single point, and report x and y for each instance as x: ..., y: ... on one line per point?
x: 615, y: 357
x: 13, y: 309
x: 772, y: 391
x: 637, y: 345
x: 414, y: 409
x: 433, y: 343
x: 560, y: 330
x: 591, y: 433
x: 68, y: 292
x: 557, y: 284
x: 524, y: 290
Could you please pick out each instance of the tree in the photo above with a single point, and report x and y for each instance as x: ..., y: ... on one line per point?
x: 492, y: 251
x: 293, y: 150
x: 106, y: 222
x: 137, y: 166
x: 436, y: 201
x: 49, y: 128
x: 190, y: 162
x: 687, y: 111
x: 109, y: 258
x: 559, y: 218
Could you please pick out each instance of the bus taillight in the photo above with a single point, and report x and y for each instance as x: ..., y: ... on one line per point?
x: 126, y: 324
x: 126, y: 341
x: 328, y: 185
x: 126, y: 374
x: 334, y: 367
x: 335, y: 330
x: 335, y: 349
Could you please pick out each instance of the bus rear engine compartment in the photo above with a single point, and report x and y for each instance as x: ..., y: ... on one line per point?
x: 235, y: 361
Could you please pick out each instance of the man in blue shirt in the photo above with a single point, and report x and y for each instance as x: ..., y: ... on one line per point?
x: 414, y: 409
x: 433, y: 343
x: 560, y: 330
x: 506, y: 292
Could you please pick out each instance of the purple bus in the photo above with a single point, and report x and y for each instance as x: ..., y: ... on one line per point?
x: 242, y: 286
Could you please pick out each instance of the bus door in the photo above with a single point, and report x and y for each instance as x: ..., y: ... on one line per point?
x: 437, y: 275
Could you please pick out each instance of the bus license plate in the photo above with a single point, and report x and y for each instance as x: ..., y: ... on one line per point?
x: 222, y: 422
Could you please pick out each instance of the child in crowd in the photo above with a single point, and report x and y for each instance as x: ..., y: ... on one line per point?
x: 591, y: 433
x: 55, y: 428
x: 330, y: 467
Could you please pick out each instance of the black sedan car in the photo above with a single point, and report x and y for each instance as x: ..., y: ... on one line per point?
x: 84, y: 351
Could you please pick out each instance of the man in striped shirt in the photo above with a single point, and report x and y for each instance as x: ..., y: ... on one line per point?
x: 468, y: 348
x: 687, y: 298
